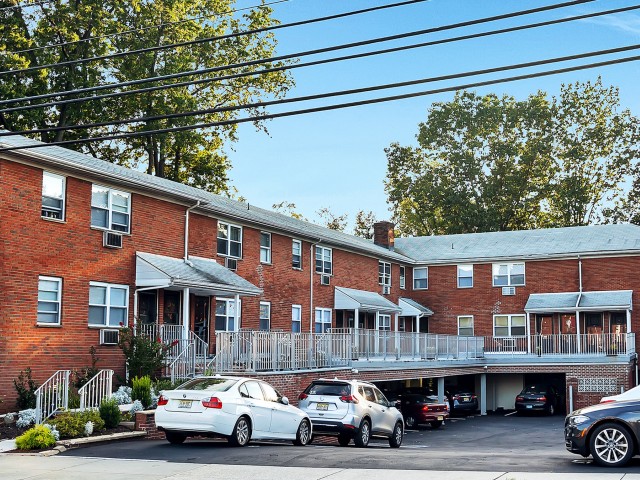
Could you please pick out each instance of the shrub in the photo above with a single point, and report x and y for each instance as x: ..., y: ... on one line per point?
x: 144, y: 356
x: 26, y: 418
x: 123, y: 395
x: 136, y: 407
x: 36, y: 438
x: 26, y: 388
x: 72, y: 424
x: 88, y: 428
x: 142, y: 391
x: 54, y: 431
x: 110, y: 413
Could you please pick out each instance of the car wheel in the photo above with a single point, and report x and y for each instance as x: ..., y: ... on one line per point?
x: 175, y: 438
x: 611, y: 445
x: 395, y: 440
x: 303, y: 436
x: 436, y: 424
x: 363, y: 434
x: 410, y: 421
x: 551, y: 410
x: 241, y: 433
x: 344, y: 440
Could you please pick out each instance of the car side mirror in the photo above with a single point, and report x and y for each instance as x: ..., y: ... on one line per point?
x: 284, y: 400
x: 397, y: 404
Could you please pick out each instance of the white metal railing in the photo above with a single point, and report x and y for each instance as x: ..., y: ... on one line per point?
x: 506, y: 345
x: 96, y: 390
x: 173, y: 336
x: 563, y: 344
x: 52, y: 395
x: 183, y: 365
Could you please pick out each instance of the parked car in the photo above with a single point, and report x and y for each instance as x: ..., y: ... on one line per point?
x: 350, y: 409
x: 631, y: 394
x: 239, y: 409
x: 538, y: 398
x: 464, y: 402
x: 606, y: 431
x: 420, y: 409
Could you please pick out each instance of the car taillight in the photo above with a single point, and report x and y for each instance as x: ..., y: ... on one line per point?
x: 542, y: 399
x: 456, y: 397
x: 607, y: 401
x: 473, y: 397
x: 425, y: 408
x: 302, y: 396
x: 213, y: 402
x: 162, y: 400
x: 519, y: 399
x: 348, y: 399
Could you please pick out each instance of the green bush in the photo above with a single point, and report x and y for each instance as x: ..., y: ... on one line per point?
x: 71, y: 424
x: 143, y: 355
x: 26, y: 388
x: 141, y: 390
x: 110, y: 413
x: 36, y: 438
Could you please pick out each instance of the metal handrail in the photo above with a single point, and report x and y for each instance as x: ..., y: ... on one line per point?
x: 96, y: 390
x: 183, y: 366
x: 52, y: 395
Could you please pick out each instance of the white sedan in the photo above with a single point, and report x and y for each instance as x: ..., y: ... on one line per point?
x: 631, y: 394
x: 239, y: 409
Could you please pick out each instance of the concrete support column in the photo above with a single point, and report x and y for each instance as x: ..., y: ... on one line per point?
x: 628, y: 321
x: 483, y: 394
x: 185, y: 313
x: 237, y: 309
x: 441, y: 390
x: 578, y: 331
x: 528, y: 333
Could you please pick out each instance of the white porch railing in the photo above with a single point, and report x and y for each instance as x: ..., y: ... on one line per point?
x: 183, y: 365
x: 52, y: 395
x: 96, y: 390
x: 564, y: 344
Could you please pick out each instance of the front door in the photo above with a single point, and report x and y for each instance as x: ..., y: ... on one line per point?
x: 201, y: 318
x: 171, y: 314
x: 148, y: 308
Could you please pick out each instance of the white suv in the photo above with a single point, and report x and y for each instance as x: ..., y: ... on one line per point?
x: 351, y: 409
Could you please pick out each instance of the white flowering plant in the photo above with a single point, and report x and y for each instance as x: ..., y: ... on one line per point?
x: 122, y: 395
x: 26, y: 418
x: 88, y: 428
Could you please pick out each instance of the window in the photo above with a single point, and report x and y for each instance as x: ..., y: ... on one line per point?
x: 324, y: 262
x: 265, y: 247
x: 401, y: 324
x: 465, y: 325
x: 265, y: 315
x: 509, y: 325
x: 296, y: 254
x: 110, y: 209
x: 508, y: 274
x: 420, y: 278
x: 53, y: 190
x: 296, y: 318
x: 108, y: 304
x: 254, y: 391
x: 465, y: 276
x: 49, y: 296
x: 402, y: 278
x: 270, y: 394
x: 384, y: 273
x: 226, y: 318
x: 230, y: 240
x: 323, y: 320
x: 384, y: 322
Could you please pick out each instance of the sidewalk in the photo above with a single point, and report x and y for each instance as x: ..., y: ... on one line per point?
x: 32, y: 467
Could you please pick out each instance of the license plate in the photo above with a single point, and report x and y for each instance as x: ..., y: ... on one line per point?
x: 440, y: 418
x: 322, y: 406
x: 529, y: 406
x: 184, y: 404
x: 465, y: 399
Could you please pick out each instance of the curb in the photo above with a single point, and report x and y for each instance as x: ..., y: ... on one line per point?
x: 64, y: 445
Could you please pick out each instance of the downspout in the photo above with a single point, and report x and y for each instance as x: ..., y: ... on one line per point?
x: 186, y: 231
x: 578, y: 303
x: 311, y: 263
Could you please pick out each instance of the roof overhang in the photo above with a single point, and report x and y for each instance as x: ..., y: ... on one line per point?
x: 411, y: 308
x: 570, y: 302
x: 362, y: 300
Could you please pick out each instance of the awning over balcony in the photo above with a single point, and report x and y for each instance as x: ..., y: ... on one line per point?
x: 200, y: 274
x: 411, y: 308
x: 350, y: 299
x: 581, y: 302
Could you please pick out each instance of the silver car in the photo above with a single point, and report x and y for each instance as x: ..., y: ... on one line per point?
x: 350, y: 409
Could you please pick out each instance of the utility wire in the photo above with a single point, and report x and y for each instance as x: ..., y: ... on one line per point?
x: 314, y: 63
x: 25, y: 5
x: 325, y: 108
x: 211, y: 39
x: 283, y: 57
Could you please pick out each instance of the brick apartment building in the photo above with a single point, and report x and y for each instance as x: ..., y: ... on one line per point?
x: 86, y: 246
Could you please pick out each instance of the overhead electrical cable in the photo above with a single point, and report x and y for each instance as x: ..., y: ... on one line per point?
x: 25, y: 5
x: 325, y: 108
x: 314, y: 63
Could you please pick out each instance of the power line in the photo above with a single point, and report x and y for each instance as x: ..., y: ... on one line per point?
x: 25, y: 5
x: 211, y: 39
x: 316, y: 62
x: 325, y: 108
x: 288, y: 56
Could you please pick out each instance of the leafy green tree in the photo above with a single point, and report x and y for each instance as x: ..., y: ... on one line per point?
x: 332, y: 221
x: 288, y: 208
x: 364, y: 224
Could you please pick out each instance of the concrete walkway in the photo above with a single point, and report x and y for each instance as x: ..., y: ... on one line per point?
x: 34, y: 467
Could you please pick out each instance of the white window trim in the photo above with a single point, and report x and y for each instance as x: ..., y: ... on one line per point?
x: 414, y: 278
x: 329, y: 249
x: 58, y: 301
x: 299, y: 308
x: 403, y: 277
x: 459, y: 277
x: 228, y: 239
x: 509, y: 266
x: 296, y: 242
x: 261, y: 318
x: 265, y: 249
x: 473, y: 325
x: 386, y: 277
x: 380, y: 323
x: 63, y: 212
x: 107, y: 305
x: 510, y: 324
x: 110, y: 209
x: 236, y: 317
x: 315, y: 318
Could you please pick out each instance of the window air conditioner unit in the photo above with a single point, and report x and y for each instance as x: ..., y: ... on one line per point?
x: 112, y: 240
x: 231, y: 263
x: 386, y: 289
x: 109, y: 337
x: 325, y: 279
x: 508, y: 290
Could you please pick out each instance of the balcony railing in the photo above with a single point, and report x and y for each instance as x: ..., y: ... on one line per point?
x: 564, y: 344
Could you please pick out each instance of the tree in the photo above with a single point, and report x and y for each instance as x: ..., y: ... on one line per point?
x: 489, y: 163
x: 288, y: 208
x: 193, y: 157
x: 332, y: 221
x: 364, y: 224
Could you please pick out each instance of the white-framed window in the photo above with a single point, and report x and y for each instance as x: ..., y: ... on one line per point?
x: 226, y: 317
x: 465, y: 325
x: 296, y: 318
x: 265, y: 247
x: 110, y: 209
x: 420, y: 278
x: 108, y: 304
x: 323, y: 319
x: 384, y: 322
x: 324, y: 260
x: 230, y: 240
x: 403, y: 277
x: 465, y: 276
x: 265, y: 315
x: 53, y: 194
x: 401, y: 324
x: 384, y: 273
x: 296, y: 254
x: 508, y: 274
x: 49, y: 300
x: 509, y: 325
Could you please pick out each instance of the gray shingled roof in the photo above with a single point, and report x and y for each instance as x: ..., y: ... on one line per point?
x: 350, y: 298
x: 521, y: 245
x: 557, y: 302
x: 222, y: 206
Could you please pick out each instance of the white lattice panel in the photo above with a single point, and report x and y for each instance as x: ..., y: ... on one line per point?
x: 597, y: 385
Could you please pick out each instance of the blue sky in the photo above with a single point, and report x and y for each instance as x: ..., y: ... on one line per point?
x: 336, y: 159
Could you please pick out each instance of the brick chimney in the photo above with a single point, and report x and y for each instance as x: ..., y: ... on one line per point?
x: 383, y: 234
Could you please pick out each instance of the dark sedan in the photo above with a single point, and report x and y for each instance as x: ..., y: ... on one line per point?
x: 533, y: 398
x: 607, y: 431
x: 464, y: 402
x: 419, y: 409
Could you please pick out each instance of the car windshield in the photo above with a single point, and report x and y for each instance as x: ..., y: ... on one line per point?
x: 209, y: 384
x: 337, y: 389
x: 535, y: 390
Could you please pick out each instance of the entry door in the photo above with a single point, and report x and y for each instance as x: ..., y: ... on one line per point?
x: 148, y: 308
x: 201, y: 318
x: 544, y: 324
x: 171, y: 308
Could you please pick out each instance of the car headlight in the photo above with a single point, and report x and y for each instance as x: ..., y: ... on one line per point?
x: 578, y: 419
